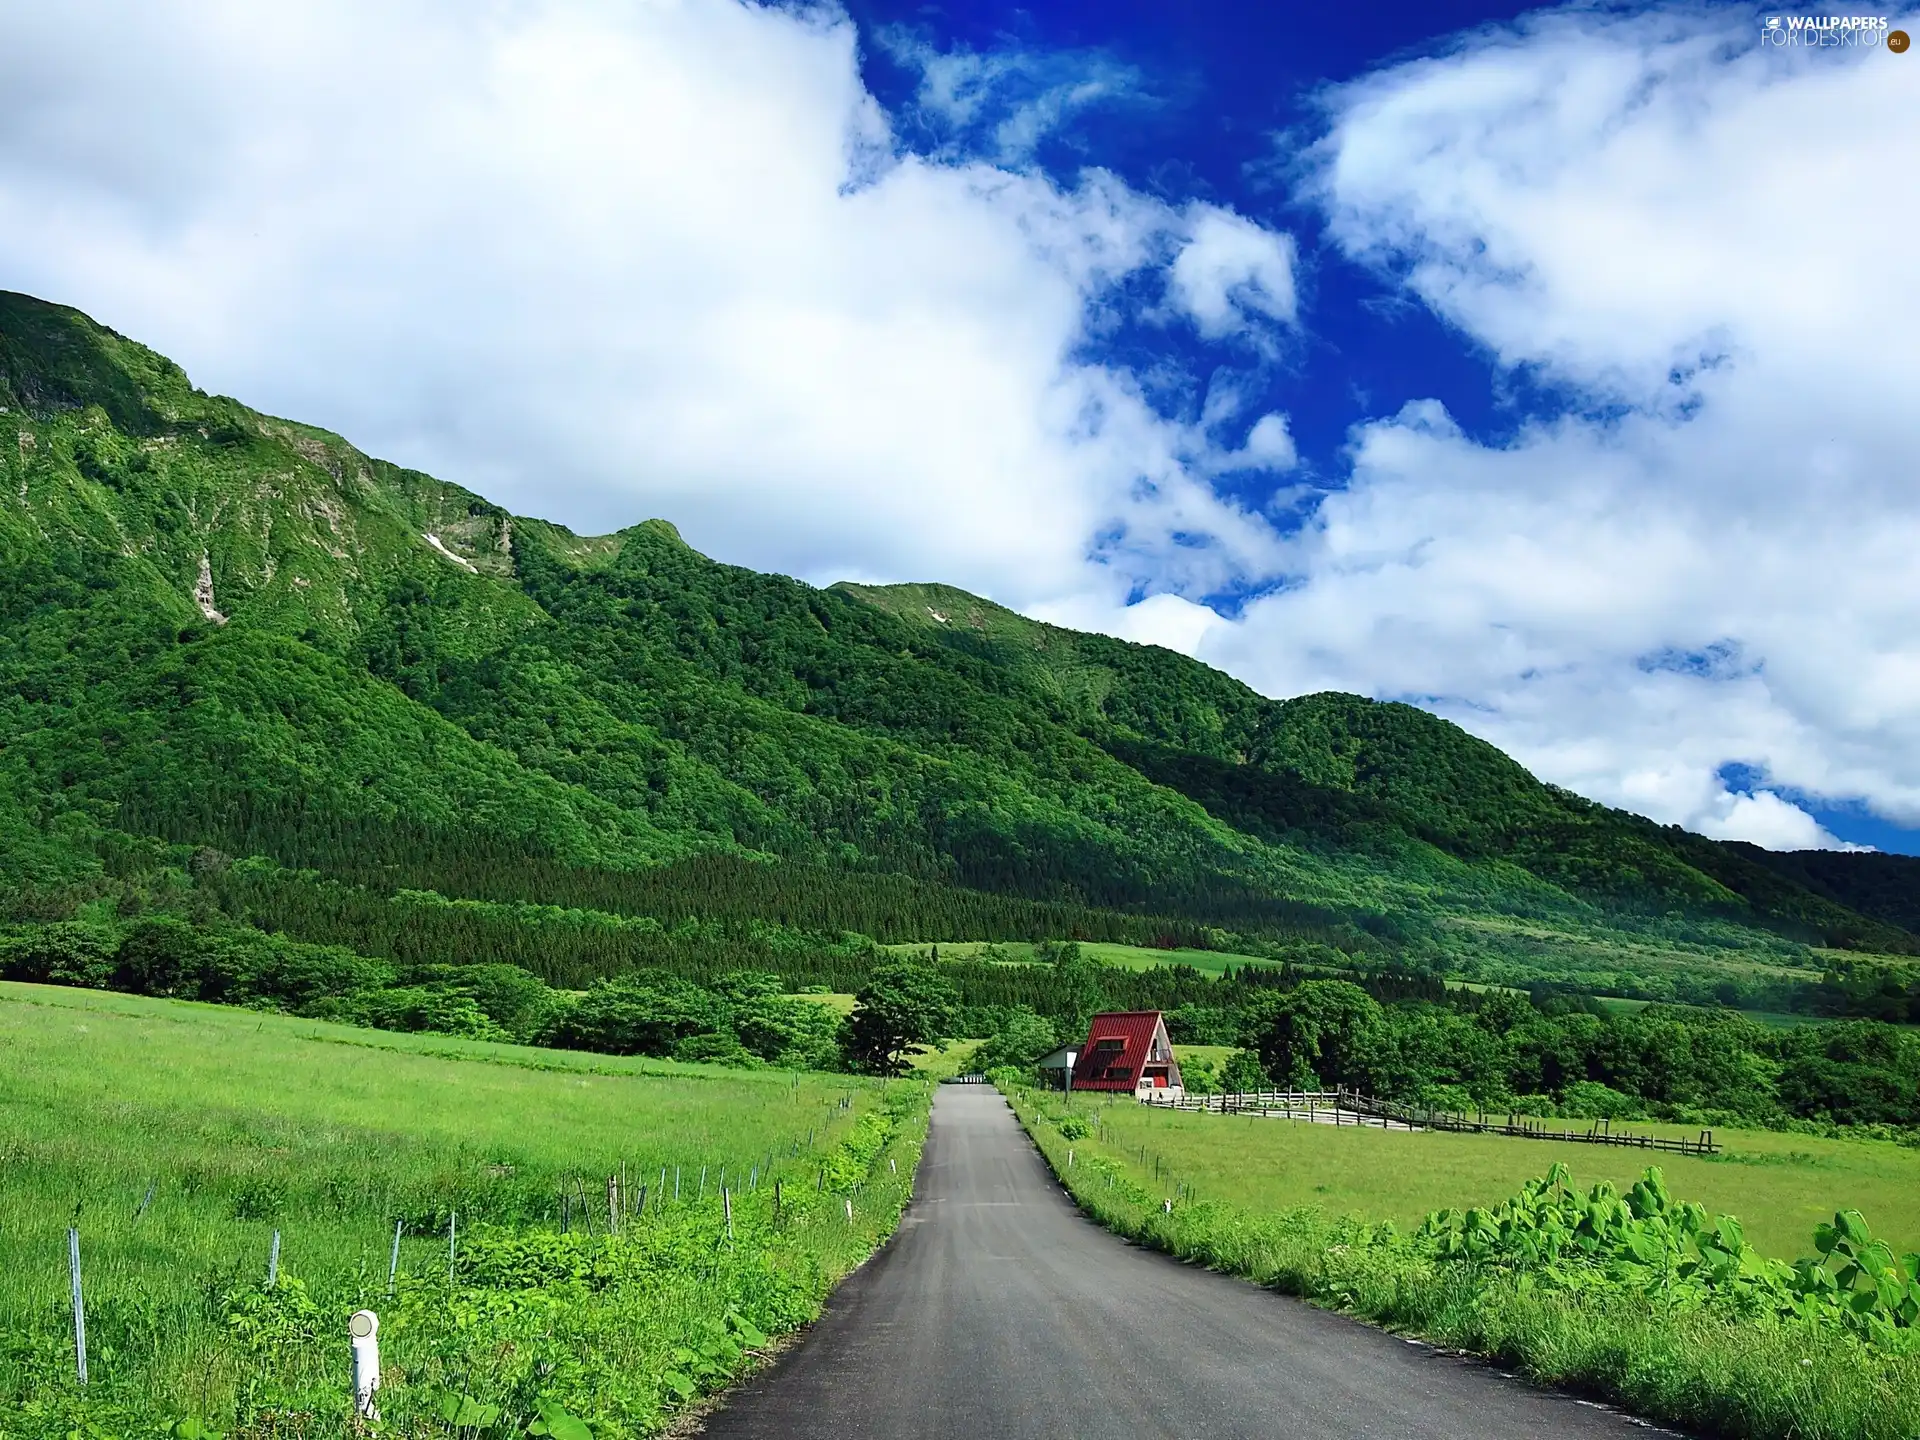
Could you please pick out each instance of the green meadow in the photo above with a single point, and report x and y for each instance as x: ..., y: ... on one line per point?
x: 1779, y: 1185
x: 178, y: 1138
x: 1126, y: 957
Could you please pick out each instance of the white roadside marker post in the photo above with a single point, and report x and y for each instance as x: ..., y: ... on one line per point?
x: 79, y: 1304
x: 364, y: 1330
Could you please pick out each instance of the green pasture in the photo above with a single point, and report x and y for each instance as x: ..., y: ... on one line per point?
x: 1214, y: 1055
x: 1778, y: 1185
x: 839, y: 1004
x: 1127, y: 957
x: 953, y: 1058
x: 179, y: 1137
x: 1779, y: 1020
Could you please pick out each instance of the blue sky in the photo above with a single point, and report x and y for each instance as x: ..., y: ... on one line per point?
x: 1534, y: 365
x: 1213, y: 101
x: 1209, y: 102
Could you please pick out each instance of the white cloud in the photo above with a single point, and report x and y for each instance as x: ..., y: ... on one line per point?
x: 1765, y: 819
x: 1700, y: 236
x: 1003, y: 103
x: 1167, y: 620
x: 1232, y: 275
x: 602, y: 263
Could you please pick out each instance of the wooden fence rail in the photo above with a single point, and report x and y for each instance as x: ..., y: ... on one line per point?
x: 1350, y: 1107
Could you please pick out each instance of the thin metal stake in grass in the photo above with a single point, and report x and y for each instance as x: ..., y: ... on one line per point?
x: 452, y: 1225
x: 393, y: 1261
x: 142, y: 1209
x: 79, y: 1305
x: 273, y: 1262
x: 703, y: 1186
x: 726, y: 1204
x: 676, y: 1184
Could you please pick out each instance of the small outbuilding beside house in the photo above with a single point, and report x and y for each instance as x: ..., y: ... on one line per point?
x: 1128, y: 1051
x: 1057, y: 1065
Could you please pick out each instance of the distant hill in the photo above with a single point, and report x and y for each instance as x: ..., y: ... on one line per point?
x: 239, y: 632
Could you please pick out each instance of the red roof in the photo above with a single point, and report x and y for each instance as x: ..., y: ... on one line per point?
x: 1120, y: 1045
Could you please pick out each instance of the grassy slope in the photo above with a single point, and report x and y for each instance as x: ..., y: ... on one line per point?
x: 621, y: 700
x: 1779, y: 1185
x: 243, y: 1123
x: 1129, y: 957
x: 1389, y: 781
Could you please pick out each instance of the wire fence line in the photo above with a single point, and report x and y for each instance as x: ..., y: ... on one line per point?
x: 1351, y: 1107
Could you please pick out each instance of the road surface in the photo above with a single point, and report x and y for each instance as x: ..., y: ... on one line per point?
x: 999, y: 1313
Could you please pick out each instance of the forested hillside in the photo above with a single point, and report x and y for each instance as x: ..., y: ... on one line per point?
x: 224, y: 635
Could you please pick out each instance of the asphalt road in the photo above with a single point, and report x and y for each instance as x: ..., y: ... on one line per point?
x: 999, y: 1313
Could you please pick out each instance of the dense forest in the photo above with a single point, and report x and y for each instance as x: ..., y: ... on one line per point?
x: 257, y: 684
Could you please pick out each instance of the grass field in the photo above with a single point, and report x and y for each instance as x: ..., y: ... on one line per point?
x: 1778, y: 1185
x: 1128, y: 957
x: 838, y: 1003
x: 1779, y: 1020
x: 1214, y: 1055
x: 238, y: 1124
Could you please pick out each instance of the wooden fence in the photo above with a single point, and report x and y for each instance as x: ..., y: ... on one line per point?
x: 1350, y: 1107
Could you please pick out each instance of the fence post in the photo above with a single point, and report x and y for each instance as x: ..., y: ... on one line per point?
x: 452, y: 1223
x: 364, y: 1331
x: 776, y: 1203
x: 273, y: 1262
x: 393, y: 1262
x: 726, y: 1204
x: 79, y: 1304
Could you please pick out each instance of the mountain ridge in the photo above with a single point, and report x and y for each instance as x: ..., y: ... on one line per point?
x: 219, y: 623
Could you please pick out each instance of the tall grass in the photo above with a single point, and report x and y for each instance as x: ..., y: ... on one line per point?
x: 1699, y: 1368
x: 240, y: 1124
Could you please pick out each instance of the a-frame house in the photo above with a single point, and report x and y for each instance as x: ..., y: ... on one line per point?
x: 1128, y: 1051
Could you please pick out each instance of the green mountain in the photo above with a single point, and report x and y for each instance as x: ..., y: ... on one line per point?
x: 224, y: 630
